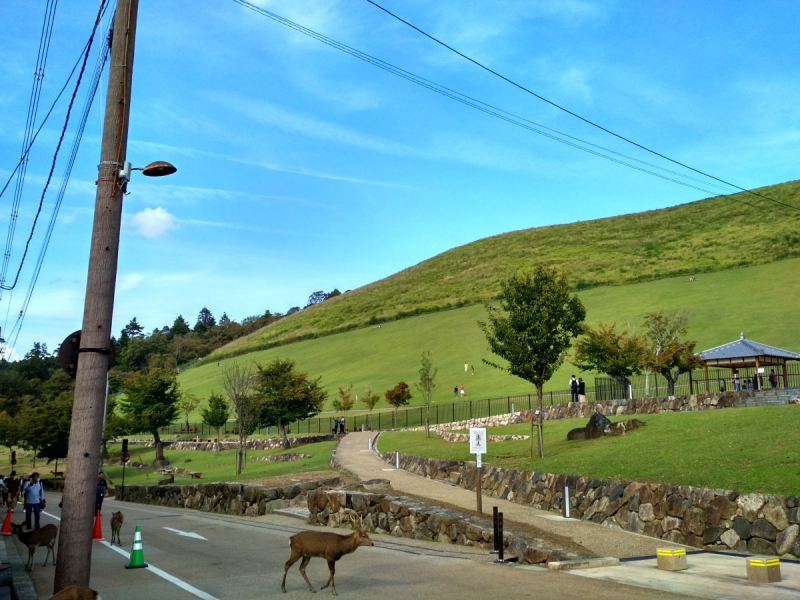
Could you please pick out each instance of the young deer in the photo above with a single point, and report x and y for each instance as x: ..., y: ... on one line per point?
x: 75, y: 592
x: 330, y: 546
x: 46, y: 536
x: 117, y: 519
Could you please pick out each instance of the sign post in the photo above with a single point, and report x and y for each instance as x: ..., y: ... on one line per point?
x: 477, y: 446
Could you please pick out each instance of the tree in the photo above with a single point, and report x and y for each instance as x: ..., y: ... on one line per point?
x: 333, y: 294
x: 216, y: 415
x: 9, y: 430
x: 187, y: 404
x: 370, y: 400
x: 205, y: 321
x: 345, y: 400
x: 316, y: 298
x: 179, y: 327
x: 151, y: 403
x: 287, y: 395
x: 237, y: 381
x: 133, y: 329
x: 294, y: 309
x: 398, y: 396
x: 427, y: 385
x: 534, y: 334
x: 39, y: 350
x: 668, y: 355
x: 618, y: 355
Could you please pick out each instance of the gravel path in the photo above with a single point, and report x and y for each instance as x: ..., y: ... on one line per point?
x: 353, y: 455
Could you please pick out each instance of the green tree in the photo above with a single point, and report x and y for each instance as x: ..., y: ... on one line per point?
x: 427, y: 385
x: 344, y: 400
x: 187, y: 404
x: 179, y: 326
x: 205, y: 321
x: 9, y: 430
x: 618, y: 355
x: 398, y: 396
x: 287, y: 395
x: 370, y: 400
x: 668, y: 355
x: 151, y: 402
x: 540, y: 320
x: 216, y: 415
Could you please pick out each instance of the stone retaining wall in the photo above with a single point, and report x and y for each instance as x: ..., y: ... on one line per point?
x: 227, y: 498
x: 449, y: 436
x: 577, y: 410
x: 287, y: 457
x: 405, y: 517
x: 258, y: 444
x: 699, y: 517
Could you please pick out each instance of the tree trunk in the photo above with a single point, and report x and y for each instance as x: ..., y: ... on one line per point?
x: 240, y: 458
x: 428, y: 418
x: 539, y: 434
x: 284, y: 440
x: 187, y: 421
x: 670, y: 383
x: 217, y: 444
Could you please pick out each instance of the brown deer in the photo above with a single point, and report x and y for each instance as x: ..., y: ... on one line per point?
x: 117, y: 519
x: 75, y: 592
x: 46, y: 536
x: 330, y: 546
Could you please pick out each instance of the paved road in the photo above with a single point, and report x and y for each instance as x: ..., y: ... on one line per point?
x: 242, y: 558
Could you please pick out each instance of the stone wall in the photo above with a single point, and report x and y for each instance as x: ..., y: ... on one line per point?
x: 578, y: 410
x: 227, y: 498
x: 286, y: 457
x: 258, y: 444
x: 699, y: 517
x: 405, y: 517
x: 449, y: 436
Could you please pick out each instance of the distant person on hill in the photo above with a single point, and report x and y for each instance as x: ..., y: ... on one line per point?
x: 573, y: 388
x: 773, y: 379
x: 465, y: 367
x: 462, y: 391
x: 581, y: 390
x: 455, y: 392
x: 473, y: 369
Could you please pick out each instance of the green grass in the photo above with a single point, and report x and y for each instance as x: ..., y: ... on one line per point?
x: 748, y: 450
x: 751, y: 299
x: 700, y: 237
x: 222, y: 467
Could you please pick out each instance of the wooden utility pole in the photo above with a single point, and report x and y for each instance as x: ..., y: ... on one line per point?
x: 83, y: 459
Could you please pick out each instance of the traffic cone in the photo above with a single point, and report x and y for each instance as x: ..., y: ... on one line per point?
x: 98, y: 529
x: 137, y: 554
x: 6, y: 530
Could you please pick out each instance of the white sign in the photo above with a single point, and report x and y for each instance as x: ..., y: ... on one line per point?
x: 477, y: 440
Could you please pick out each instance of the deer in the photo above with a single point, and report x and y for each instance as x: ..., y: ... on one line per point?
x: 46, y: 536
x: 117, y: 519
x: 322, y: 544
x: 76, y: 592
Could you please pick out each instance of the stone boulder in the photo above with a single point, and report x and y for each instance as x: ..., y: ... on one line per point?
x: 579, y: 433
x: 597, y: 425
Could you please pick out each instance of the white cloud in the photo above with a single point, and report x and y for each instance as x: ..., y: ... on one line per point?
x: 152, y: 222
x: 129, y: 280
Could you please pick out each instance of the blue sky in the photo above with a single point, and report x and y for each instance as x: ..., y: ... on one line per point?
x: 301, y: 168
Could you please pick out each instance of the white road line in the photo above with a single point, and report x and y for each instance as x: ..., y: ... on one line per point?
x: 155, y: 570
x: 190, y: 534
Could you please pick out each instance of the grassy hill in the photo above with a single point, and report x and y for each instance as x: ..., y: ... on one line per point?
x: 758, y: 300
x: 706, y: 236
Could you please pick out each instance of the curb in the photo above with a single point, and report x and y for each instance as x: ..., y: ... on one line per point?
x: 20, y: 580
x: 589, y: 563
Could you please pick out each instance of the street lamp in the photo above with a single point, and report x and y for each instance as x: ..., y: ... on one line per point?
x: 159, y: 168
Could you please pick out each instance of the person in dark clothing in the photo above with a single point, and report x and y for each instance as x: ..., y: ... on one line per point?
x: 581, y: 390
x: 101, y: 491
x: 13, y: 486
x: 341, y: 425
x: 773, y: 379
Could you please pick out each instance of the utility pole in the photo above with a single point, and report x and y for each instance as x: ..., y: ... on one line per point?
x: 83, y: 459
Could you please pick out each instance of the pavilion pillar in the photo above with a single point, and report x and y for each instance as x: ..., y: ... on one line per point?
x: 757, y: 386
x: 708, y: 385
x: 785, y: 375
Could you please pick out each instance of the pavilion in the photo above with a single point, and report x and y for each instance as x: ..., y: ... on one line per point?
x: 744, y: 353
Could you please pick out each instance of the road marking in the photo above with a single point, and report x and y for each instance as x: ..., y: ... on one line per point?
x: 155, y: 570
x: 190, y: 534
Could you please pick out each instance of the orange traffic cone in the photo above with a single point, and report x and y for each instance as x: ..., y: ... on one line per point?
x: 98, y: 529
x: 6, y: 530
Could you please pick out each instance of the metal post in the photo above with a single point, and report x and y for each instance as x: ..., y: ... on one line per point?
x: 83, y: 459
x: 565, y: 508
x: 478, y: 488
x: 494, y: 524
x: 500, y: 548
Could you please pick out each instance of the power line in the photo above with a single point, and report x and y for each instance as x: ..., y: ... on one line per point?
x: 577, y: 116
x: 30, y: 122
x: 484, y: 107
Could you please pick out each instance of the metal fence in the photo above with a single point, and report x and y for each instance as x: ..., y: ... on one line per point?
x: 605, y: 388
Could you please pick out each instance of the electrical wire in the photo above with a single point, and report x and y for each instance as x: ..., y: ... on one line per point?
x: 30, y: 122
x: 493, y: 111
x: 577, y: 116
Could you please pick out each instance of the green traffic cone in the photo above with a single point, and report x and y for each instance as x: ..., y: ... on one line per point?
x: 137, y: 554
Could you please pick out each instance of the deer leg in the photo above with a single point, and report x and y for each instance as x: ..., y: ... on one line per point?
x: 292, y: 559
x: 47, y: 555
x: 303, y: 573
x: 332, y: 568
x: 31, y: 552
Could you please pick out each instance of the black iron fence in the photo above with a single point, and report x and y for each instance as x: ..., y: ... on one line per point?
x: 605, y: 388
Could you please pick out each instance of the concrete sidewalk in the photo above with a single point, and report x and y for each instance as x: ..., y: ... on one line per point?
x: 353, y: 455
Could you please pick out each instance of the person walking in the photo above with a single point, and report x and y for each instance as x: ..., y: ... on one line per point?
x: 573, y: 388
x: 32, y: 497
x: 473, y: 369
x: 465, y: 367
x: 102, y: 486
x: 581, y: 390
x: 336, y: 425
x: 462, y: 391
x: 773, y: 378
x: 13, y: 490
x: 341, y: 425
x: 455, y: 392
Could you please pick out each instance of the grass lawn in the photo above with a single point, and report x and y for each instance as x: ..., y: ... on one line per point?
x: 748, y: 450
x: 720, y: 306
x: 222, y: 467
